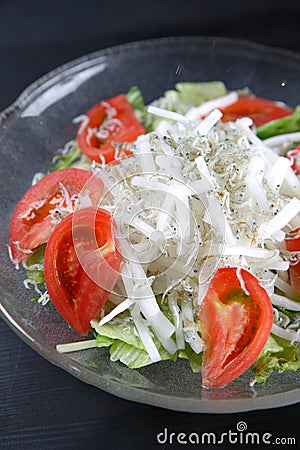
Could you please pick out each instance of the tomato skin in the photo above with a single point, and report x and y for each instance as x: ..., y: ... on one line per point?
x: 119, y: 123
x: 77, y: 297
x: 260, y: 110
x: 294, y: 273
x: 234, y: 327
x: 292, y: 244
x: 294, y: 156
x: 31, y: 221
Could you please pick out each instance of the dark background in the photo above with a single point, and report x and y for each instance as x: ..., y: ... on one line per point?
x: 41, y: 406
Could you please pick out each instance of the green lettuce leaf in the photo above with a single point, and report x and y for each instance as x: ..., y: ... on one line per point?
x: 73, y: 158
x: 288, y: 124
x: 136, y: 100
x: 126, y: 346
x: 120, y: 328
x: 134, y: 357
x: 37, y: 258
x: 186, y: 95
x: 278, y: 355
x: 195, y: 359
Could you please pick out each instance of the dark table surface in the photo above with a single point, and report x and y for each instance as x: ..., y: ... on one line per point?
x: 41, y: 406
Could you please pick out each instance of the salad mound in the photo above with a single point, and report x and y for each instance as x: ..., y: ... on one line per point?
x: 173, y: 231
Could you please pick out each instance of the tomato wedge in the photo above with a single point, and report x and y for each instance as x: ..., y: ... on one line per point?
x: 78, y: 296
x: 234, y: 326
x: 294, y: 157
x: 32, y: 222
x: 110, y: 122
x: 260, y: 110
x: 292, y: 243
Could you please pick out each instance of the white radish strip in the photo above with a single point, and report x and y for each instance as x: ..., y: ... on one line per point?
x: 287, y: 138
x: 159, y: 322
x: 289, y: 335
x: 245, y: 123
x: 209, y: 121
x: 287, y: 213
x: 257, y: 167
x: 182, y: 209
x: 138, y: 289
x: 284, y: 302
x: 203, y: 169
x: 275, y: 264
x: 200, y: 186
x: 257, y: 193
x: 183, y: 222
x: 195, y: 342
x: 145, y: 157
x: 218, y: 220
x: 196, y: 113
x: 170, y: 166
x: 116, y: 311
x: 160, y: 112
x: 142, y: 226
x: 285, y: 287
x: 76, y: 346
x: 164, y: 127
x: 110, y: 185
x: 178, y: 322
x: 145, y: 335
x: 253, y: 252
x: 148, y: 183
x: 168, y: 344
x: 278, y: 172
x: 167, y: 211
x: 190, y: 328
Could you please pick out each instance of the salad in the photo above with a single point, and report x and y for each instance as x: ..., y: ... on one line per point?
x: 173, y: 231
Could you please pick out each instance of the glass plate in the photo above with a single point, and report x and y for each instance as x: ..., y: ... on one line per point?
x: 40, y: 122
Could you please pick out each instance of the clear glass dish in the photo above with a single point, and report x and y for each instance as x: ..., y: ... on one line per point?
x: 40, y: 122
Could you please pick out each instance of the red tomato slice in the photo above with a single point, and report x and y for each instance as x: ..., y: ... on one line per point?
x: 294, y: 156
x: 292, y: 244
x: 77, y: 296
x: 294, y: 273
x: 258, y: 109
x: 32, y: 223
x: 234, y: 326
x: 110, y: 122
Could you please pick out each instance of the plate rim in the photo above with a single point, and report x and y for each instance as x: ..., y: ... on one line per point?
x: 192, y: 405
x: 123, y: 47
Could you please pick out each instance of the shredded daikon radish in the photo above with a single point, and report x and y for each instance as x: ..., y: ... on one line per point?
x: 285, y: 287
x: 209, y: 121
x: 167, y: 114
x: 289, y: 335
x: 117, y: 310
x: 283, y: 140
x: 145, y: 335
x: 268, y: 229
x: 76, y: 346
x: 285, y: 302
x: 196, y: 195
